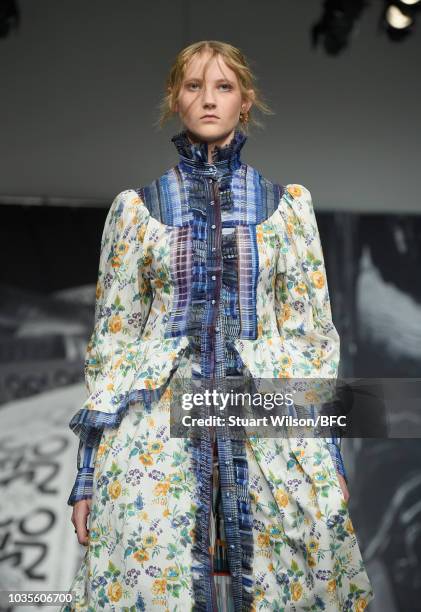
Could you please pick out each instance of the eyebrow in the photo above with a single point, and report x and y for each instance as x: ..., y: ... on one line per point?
x: 217, y: 80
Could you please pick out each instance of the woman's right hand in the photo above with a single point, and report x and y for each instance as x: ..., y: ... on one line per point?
x: 81, y: 510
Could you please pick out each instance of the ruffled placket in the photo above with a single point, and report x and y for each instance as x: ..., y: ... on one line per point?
x: 213, y: 323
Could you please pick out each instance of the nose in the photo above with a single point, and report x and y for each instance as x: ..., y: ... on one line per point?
x: 208, y: 99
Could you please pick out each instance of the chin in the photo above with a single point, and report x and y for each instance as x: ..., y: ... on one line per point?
x: 210, y: 132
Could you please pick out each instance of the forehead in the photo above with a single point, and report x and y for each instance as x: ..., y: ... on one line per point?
x: 203, y: 65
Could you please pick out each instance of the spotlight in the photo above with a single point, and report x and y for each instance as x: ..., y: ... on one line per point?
x: 399, y: 18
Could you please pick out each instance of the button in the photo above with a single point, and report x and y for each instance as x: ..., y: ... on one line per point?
x: 228, y: 494
x: 212, y: 203
x: 213, y: 277
x: 213, y: 301
x: 232, y: 546
x: 213, y: 248
x: 229, y: 519
x: 226, y: 462
x: 217, y: 329
x: 213, y: 226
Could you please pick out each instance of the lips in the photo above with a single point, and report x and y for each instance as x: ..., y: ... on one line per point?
x: 209, y: 117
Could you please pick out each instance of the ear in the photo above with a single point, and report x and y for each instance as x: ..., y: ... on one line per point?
x: 247, y: 103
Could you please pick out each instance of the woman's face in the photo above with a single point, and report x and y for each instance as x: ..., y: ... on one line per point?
x: 216, y: 92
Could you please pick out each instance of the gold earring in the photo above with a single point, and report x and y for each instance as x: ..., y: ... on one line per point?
x: 244, y: 117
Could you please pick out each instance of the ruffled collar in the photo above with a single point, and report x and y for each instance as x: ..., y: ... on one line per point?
x: 194, y: 156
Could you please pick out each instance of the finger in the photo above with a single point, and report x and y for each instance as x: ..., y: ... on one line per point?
x: 81, y: 525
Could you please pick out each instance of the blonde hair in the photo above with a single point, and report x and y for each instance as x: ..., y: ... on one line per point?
x: 234, y: 58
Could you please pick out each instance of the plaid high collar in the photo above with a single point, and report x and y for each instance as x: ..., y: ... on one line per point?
x: 194, y: 156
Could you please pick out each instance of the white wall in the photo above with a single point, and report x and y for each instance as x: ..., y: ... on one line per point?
x: 81, y: 82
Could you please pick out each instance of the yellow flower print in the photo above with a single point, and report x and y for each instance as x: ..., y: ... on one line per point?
x: 175, y: 478
x: 116, y: 262
x: 360, y: 604
x: 286, y: 313
x: 141, y: 555
x: 98, y: 291
x: 275, y: 532
x: 254, y: 497
x: 313, y: 546
x: 143, y: 515
x: 271, y: 567
x: 349, y: 526
x: 296, y: 591
x: 136, y: 200
x: 320, y: 477
x: 294, y: 190
x: 115, y: 324
x: 318, y: 279
x: 161, y: 488
x: 122, y: 248
x: 115, y: 489
x: 150, y: 540
x: 168, y: 393
x: 281, y: 497
x: 318, y: 514
x: 93, y: 535
x: 311, y: 562
x: 166, y: 512
x: 110, y: 387
x: 258, y: 593
x: 151, y: 422
x: 331, y: 585
x: 171, y: 573
x: 155, y: 447
x: 146, y: 459
x: 259, y: 234
x: 263, y: 540
x: 285, y: 361
x: 147, y: 259
x: 301, y: 288
x: 117, y: 364
x: 159, y: 586
x: 114, y: 591
x: 141, y: 233
x: 290, y: 229
x: 101, y: 450
x: 311, y: 396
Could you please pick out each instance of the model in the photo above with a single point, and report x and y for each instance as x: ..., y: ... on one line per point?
x: 210, y: 272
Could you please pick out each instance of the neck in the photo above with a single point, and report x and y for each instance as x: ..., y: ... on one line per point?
x: 211, y: 145
x: 215, y: 158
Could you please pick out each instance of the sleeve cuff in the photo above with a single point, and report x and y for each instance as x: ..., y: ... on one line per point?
x: 336, y: 455
x: 82, y: 489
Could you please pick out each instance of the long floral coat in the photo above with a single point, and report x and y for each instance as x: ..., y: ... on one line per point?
x: 293, y: 542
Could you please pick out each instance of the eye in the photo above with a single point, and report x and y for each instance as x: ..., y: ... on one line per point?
x: 190, y: 85
x: 226, y: 85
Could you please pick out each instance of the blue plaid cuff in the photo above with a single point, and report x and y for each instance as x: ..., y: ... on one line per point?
x: 336, y: 455
x: 82, y: 489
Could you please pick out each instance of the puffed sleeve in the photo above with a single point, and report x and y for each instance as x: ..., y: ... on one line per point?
x: 123, y: 293
x: 122, y: 303
x: 303, y: 310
